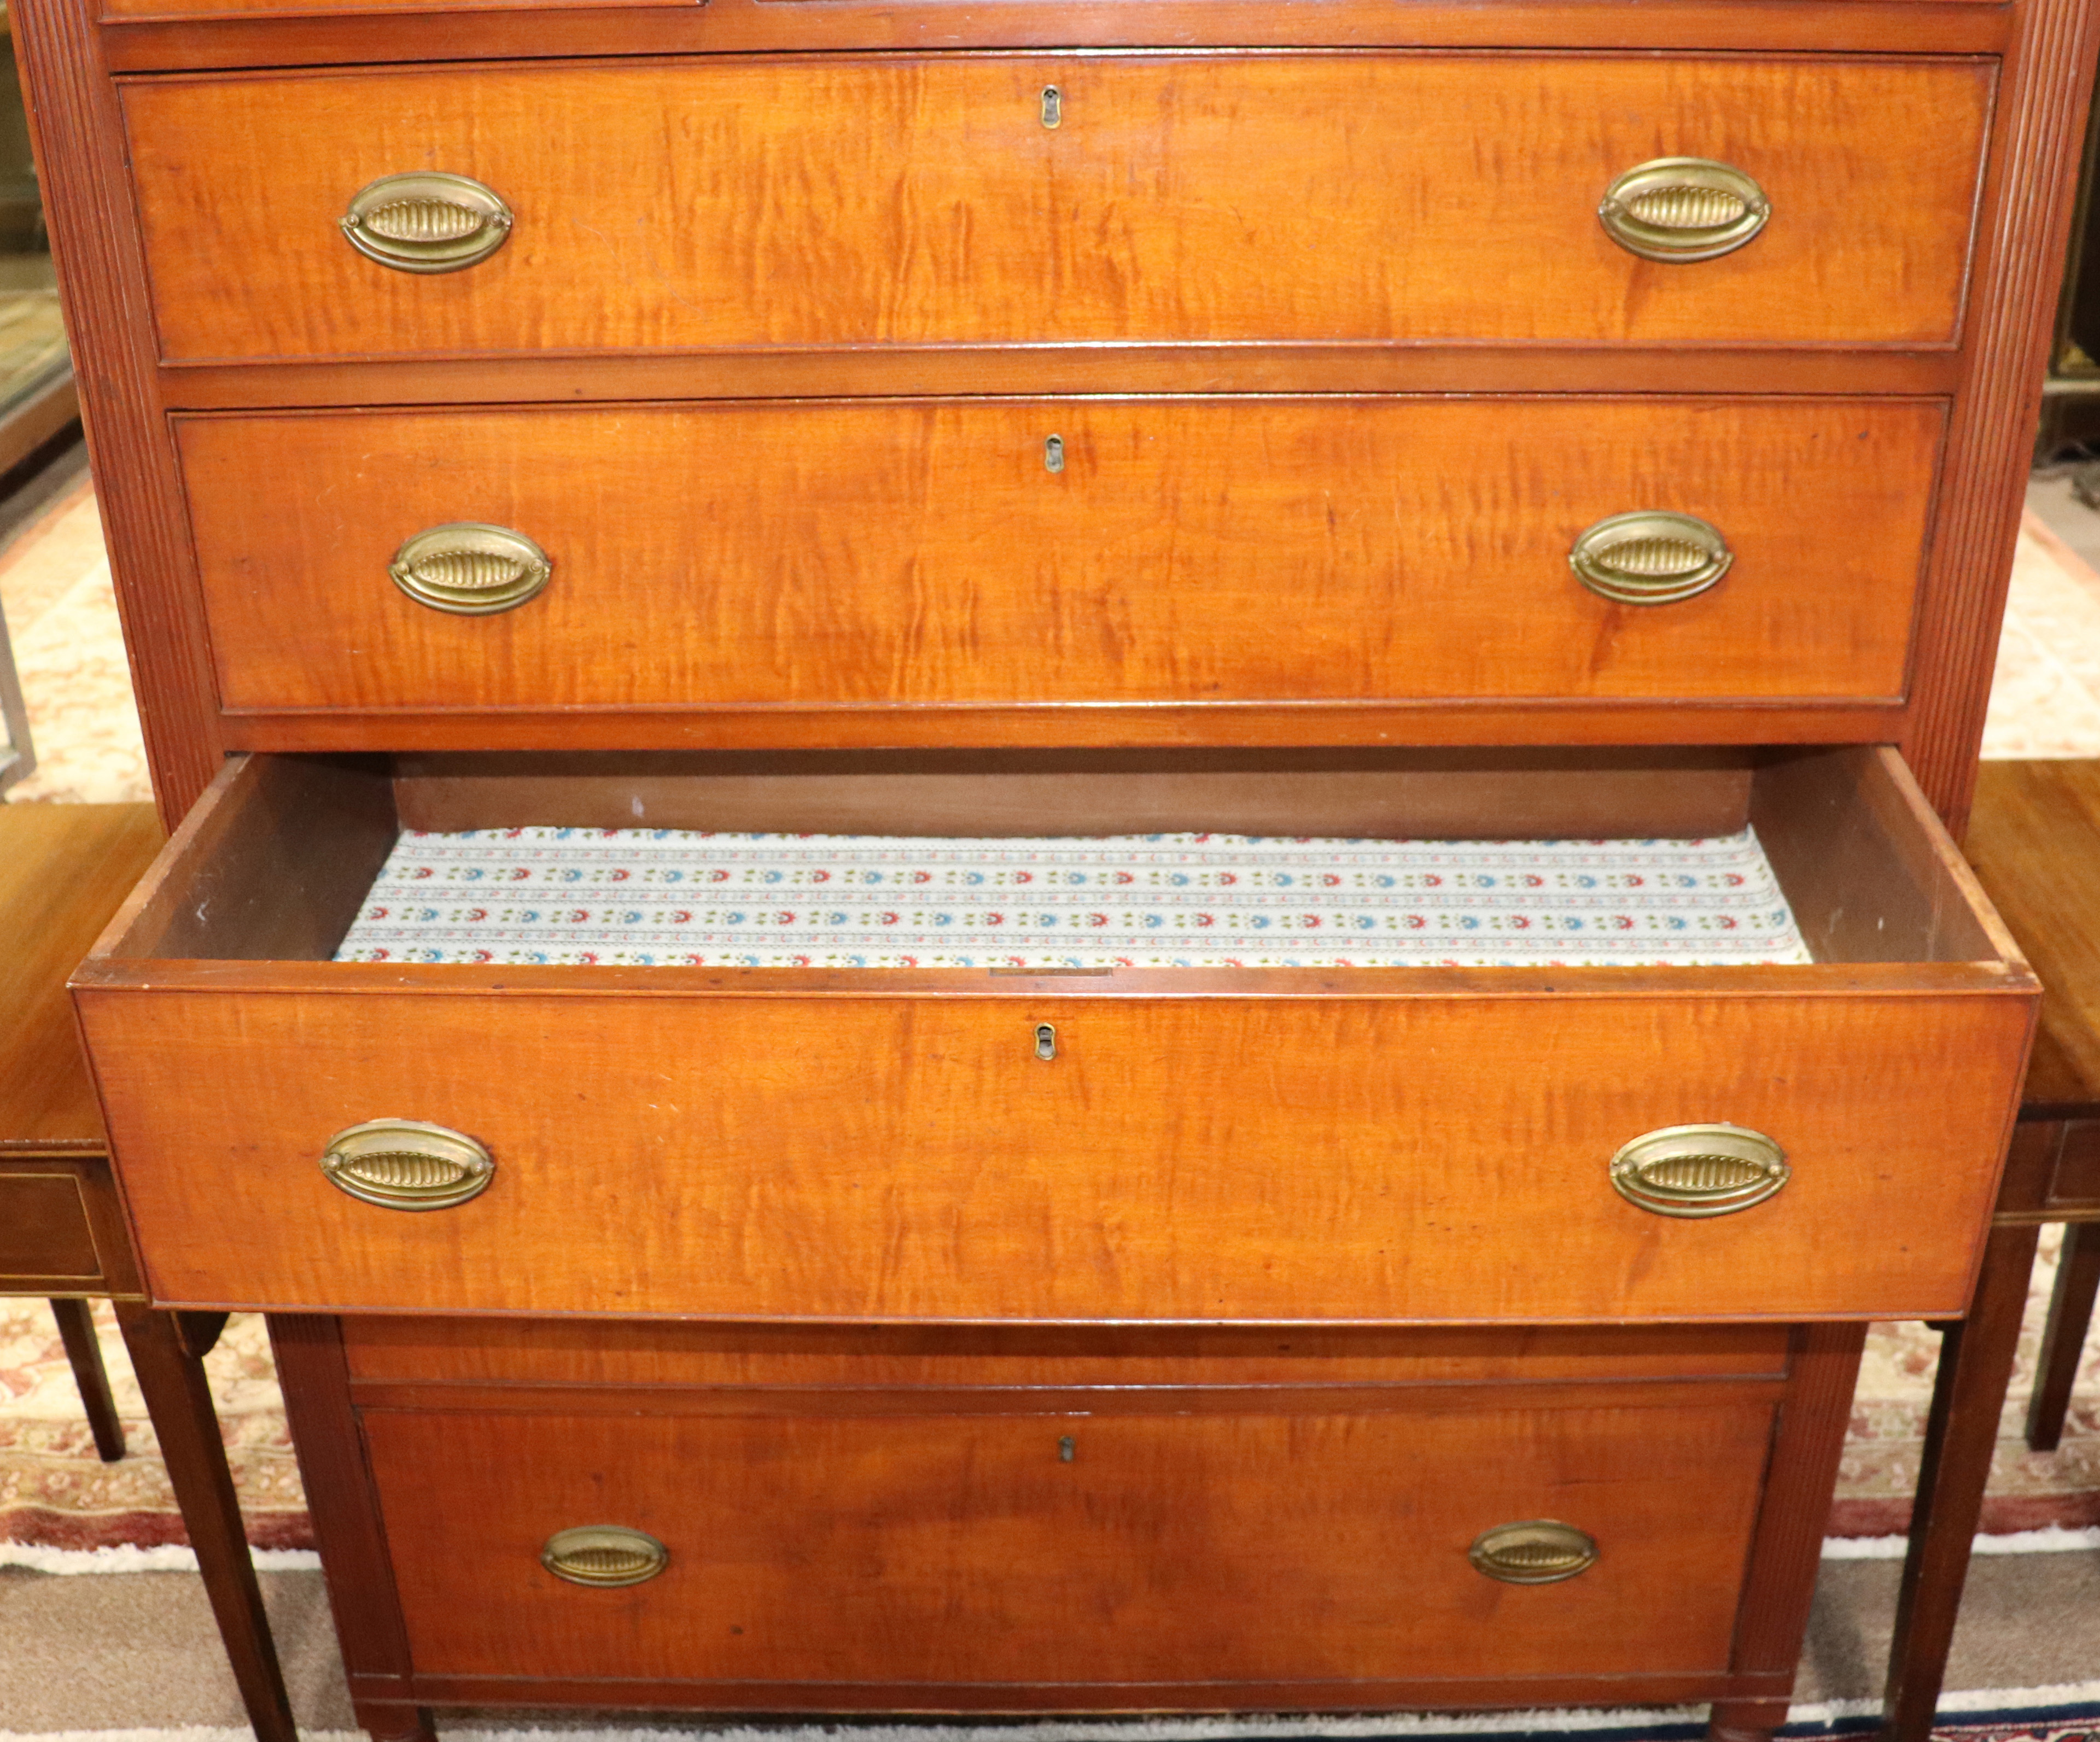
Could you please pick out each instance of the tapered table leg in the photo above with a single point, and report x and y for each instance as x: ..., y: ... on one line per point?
x: 77, y: 1328
x: 1975, y: 1365
x: 2063, y: 1338
x: 171, y: 1377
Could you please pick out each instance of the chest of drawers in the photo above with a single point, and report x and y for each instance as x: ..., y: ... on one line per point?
x: 1012, y: 421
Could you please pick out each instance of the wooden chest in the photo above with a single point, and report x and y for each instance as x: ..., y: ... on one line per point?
x: 1039, y: 419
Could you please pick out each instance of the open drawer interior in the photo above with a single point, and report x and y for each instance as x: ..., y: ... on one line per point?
x: 279, y: 860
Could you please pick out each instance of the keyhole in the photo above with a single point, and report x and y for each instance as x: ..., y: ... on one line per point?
x: 1068, y: 1448
x: 1053, y: 106
x: 1046, y: 1041
x: 1053, y: 453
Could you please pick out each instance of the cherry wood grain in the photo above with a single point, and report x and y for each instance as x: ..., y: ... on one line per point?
x: 2032, y: 175
x: 1474, y: 792
x: 308, y: 1354
x: 63, y: 868
x: 1204, y: 1550
x: 430, y: 1353
x: 1268, y: 1159
x: 1186, y: 551
x: 77, y: 127
x: 2034, y: 837
x: 818, y: 371
x: 1662, y: 723
x: 163, y: 34
x: 46, y: 1236
x: 1254, y: 197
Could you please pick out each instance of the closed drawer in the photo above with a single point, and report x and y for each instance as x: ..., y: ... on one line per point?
x: 1123, y: 1553
x: 48, y: 1241
x: 839, y: 555
x: 1309, y: 198
x: 1205, y: 1143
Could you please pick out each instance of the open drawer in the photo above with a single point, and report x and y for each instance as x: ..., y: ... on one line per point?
x: 1284, y: 1144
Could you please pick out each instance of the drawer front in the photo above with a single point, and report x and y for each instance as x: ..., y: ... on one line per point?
x: 45, y: 1237
x: 1309, y: 198
x: 1180, y: 1159
x: 1062, y: 551
x: 1127, y: 1549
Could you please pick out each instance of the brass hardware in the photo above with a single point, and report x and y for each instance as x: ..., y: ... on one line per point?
x: 1683, y: 208
x: 426, y: 222
x: 470, y: 569
x: 604, y: 1555
x: 1536, y: 1551
x: 404, y: 1164
x: 1046, y: 1041
x: 1053, y: 453
x: 1650, y: 558
x: 1700, y: 1170
x: 1068, y: 1448
x: 1053, y: 107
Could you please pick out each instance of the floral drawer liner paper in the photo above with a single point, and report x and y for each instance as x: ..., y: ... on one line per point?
x: 681, y: 898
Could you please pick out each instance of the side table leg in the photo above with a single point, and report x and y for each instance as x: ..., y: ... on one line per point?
x: 2063, y: 1338
x: 1975, y: 1366
x: 77, y: 1329
x: 172, y: 1380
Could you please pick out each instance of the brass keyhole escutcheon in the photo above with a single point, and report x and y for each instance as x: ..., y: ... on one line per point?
x: 1053, y: 453
x: 1046, y: 1041
x: 1053, y: 107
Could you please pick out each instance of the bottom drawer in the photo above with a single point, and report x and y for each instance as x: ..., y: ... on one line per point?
x: 982, y: 1551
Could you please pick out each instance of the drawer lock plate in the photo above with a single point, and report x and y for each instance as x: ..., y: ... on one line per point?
x: 404, y: 1164
x: 1700, y: 1170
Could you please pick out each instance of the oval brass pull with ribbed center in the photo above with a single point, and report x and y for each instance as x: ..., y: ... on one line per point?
x: 604, y: 1555
x: 1533, y: 1551
x: 426, y: 222
x: 1650, y: 558
x: 469, y: 568
x: 1683, y: 208
x: 1700, y: 1170
x: 404, y: 1164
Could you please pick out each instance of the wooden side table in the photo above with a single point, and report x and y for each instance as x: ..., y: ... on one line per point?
x: 2034, y: 838
x: 64, y: 869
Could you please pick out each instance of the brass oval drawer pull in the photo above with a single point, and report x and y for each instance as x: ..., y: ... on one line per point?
x: 426, y: 222
x: 469, y: 568
x: 1683, y: 208
x: 1700, y: 1170
x: 1650, y: 558
x: 1534, y: 1551
x: 404, y: 1164
x: 604, y: 1555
